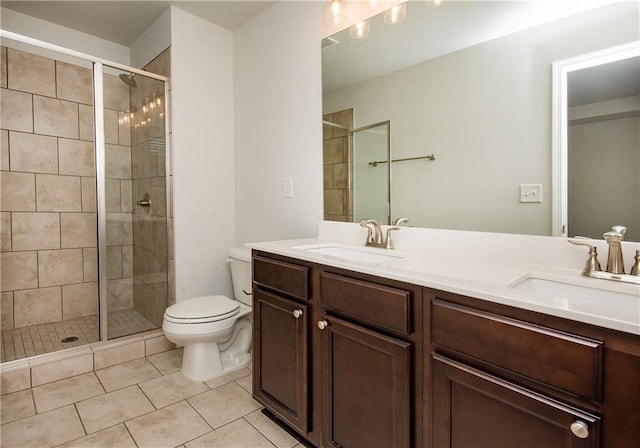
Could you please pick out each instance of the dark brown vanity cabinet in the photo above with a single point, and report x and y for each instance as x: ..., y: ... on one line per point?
x: 369, y: 351
x: 281, y: 339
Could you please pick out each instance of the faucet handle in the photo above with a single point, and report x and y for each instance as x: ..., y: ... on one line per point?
x: 400, y: 221
x: 365, y: 223
x: 592, y: 263
x: 388, y: 242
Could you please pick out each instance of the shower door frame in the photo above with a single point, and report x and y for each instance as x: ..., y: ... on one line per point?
x: 100, y: 151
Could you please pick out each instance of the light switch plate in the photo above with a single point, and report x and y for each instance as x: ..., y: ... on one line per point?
x: 530, y: 192
x: 287, y: 187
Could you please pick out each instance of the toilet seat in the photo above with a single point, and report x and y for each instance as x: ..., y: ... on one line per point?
x: 200, y: 310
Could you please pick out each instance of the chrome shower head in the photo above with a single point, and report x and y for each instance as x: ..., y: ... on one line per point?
x: 128, y: 79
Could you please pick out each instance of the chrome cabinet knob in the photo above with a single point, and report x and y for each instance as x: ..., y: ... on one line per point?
x: 580, y: 429
x: 322, y: 324
x: 297, y: 313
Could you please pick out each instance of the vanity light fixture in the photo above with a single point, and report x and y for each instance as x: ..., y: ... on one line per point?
x: 396, y: 14
x: 360, y: 30
x: 335, y: 16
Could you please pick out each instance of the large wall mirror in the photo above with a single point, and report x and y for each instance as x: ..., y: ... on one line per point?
x: 466, y: 88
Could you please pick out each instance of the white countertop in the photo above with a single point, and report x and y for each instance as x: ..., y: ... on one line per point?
x: 484, y: 268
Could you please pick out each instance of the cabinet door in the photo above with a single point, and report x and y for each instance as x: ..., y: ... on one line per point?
x: 472, y: 409
x: 280, y: 357
x: 366, y: 393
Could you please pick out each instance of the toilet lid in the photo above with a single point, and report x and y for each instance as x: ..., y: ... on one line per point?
x: 203, y: 309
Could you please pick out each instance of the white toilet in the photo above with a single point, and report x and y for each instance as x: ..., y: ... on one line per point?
x: 215, y: 331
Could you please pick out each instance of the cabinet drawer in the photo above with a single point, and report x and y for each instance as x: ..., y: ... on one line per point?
x: 570, y: 363
x: 287, y: 278
x: 381, y: 305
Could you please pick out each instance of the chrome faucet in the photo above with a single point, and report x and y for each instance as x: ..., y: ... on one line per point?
x: 374, y: 234
x: 615, y: 263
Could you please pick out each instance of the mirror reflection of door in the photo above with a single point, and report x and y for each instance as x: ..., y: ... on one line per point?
x: 369, y: 160
x: 603, y: 139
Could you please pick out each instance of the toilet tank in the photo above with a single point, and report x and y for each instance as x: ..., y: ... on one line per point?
x: 240, y: 265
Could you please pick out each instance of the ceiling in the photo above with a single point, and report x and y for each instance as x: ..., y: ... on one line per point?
x: 124, y: 21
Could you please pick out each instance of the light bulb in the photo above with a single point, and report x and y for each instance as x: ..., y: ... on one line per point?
x: 335, y: 13
x: 396, y: 14
x: 360, y: 30
x: 433, y: 3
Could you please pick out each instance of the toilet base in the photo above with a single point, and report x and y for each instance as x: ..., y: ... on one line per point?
x: 202, y: 361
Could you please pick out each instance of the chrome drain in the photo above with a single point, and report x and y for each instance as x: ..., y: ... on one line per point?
x: 69, y: 339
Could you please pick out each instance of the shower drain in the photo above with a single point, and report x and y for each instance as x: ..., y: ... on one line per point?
x: 69, y: 339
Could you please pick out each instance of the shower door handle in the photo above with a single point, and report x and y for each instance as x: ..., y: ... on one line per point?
x: 145, y: 201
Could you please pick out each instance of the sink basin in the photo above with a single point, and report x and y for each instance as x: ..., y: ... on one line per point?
x: 588, y: 296
x: 369, y: 255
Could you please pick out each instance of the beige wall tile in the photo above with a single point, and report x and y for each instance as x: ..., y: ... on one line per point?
x: 31, y: 73
x: 119, y: 229
x: 49, y: 429
x: 111, y: 128
x: 90, y: 264
x: 116, y: 93
x: 120, y: 294
x: 333, y: 151
x: 86, y: 122
x: 3, y: 67
x: 114, y: 262
x: 124, y: 128
x: 55, y: 117
x: 334, y: 202
x: 118, y: 162
x: 117, y: 355
x: 78, y: 230
x: 18, y: 192
x: 6, y: 310
x: 19, y: 270
x: 59, y: 370
x: 5, y: 232
x: 74, y: 83
x: 113, y: 196
x: 60, y: 267
x: 16, y: 406
x: 127, y: 261
x: 37, y: 306
x: 88, y: 194
x: 158, y: 345
x: 76, y: 157
x: 4, y: 150
x: 17, y: 110
x: 126, y: 196
x: 33, y: 153
x: 35, y: 231
x: 58, y: 193
x: 15, y: 380
x: 79, y: 300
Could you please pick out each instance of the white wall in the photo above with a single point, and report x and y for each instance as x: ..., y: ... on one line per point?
x: 155, y: 39
x: 65, y: 37
x: 486, y: 113
x: 203, y: 163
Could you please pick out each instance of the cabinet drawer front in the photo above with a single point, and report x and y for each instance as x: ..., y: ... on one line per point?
x: 281, y: 276
x: 570, y: 363
x: 381, y: 305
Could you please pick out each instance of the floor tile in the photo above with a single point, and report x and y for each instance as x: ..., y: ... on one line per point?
x: 246, y: 383
x: 224, y: 404
x: 170, y: 389
x: 228, y: 377
x: 16, y: 406
x: 278, y: 436
x: 167, y: 362
x: 114, y: 437
x: 68, y: 391
x: 113, y: 408
x: 127, y: 374
x: 43, y: 430
x: 238, y: 433
x: 168, y: 427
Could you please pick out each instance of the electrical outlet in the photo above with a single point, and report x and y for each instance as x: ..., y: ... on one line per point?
x: 530, y: 193
x: 287, y: 187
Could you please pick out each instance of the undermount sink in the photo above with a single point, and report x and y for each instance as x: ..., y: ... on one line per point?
x: 351, y: 253
x: 588, y: 296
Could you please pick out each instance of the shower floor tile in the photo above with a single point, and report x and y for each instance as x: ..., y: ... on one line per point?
x: 24, y: 342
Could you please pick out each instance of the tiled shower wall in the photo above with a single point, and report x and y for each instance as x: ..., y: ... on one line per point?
x: 48, y: 204
x: 338, y: 195
x: 151, y: 250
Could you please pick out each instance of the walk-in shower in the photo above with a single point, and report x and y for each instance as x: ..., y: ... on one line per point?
x: 83, y: 201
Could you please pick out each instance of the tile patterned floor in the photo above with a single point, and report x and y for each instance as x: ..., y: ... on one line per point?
x: 46, y: 338
x: 142, y: 403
